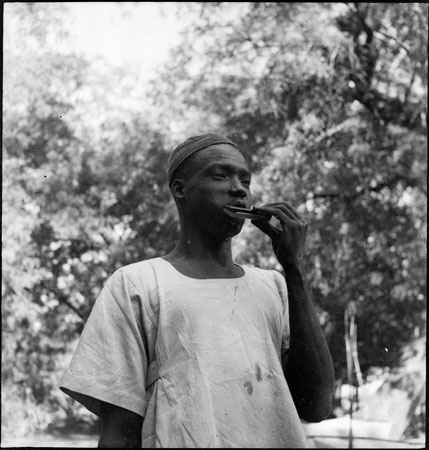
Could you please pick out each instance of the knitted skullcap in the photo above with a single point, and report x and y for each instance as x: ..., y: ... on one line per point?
x: 190, y: 146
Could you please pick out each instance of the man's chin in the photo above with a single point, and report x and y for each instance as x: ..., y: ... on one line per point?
x: 227, y: 229
x: 236, y: 227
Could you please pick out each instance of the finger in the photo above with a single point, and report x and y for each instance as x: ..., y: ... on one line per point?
x: 288, y: 209
x: 281, y: 215
x: 291, y: 210
x: 266, y: 228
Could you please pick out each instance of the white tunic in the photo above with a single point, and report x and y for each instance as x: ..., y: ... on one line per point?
x: 199, y: 359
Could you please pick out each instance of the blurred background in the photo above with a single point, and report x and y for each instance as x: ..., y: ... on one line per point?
x: 328, y: 103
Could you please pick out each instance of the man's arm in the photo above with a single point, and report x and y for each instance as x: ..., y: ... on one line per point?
x: 120, y: 428
x: 308, y: 367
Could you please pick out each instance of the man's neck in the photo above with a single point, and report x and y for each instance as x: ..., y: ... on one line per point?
x: 201, y: 256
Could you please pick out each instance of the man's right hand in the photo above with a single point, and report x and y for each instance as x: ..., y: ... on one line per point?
x: 120, y: 428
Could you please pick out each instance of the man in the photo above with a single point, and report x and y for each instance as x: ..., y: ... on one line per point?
x: 193, y: 350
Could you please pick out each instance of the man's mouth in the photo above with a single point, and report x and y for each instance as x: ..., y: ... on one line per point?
x: 229, y: 208
x: 247, y: 213
x: 239, y: 203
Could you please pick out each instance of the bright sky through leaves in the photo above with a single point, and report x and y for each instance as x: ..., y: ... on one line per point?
x: 135, y: 34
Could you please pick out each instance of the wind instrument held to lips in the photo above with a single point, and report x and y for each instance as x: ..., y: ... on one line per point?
x: 246, y: 213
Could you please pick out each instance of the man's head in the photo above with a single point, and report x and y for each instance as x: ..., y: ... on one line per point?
x: 206, y: 173
x: 192, y: 145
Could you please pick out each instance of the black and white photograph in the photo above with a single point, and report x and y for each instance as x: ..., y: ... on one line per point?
x: 214, y: 225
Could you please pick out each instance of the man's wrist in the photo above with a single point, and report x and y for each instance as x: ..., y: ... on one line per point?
x: 292, y: 265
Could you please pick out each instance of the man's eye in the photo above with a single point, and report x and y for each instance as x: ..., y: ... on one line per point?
x: 245, y: 182
x: 218, y: 175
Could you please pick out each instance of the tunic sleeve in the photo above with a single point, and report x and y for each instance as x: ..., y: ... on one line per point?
x: 282, y: 288
x: 110, y: 361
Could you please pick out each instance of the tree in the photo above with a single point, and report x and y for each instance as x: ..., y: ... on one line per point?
x: 84, y: 193
x: 328, y: 102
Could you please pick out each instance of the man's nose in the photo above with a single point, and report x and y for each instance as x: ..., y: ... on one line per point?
x: 237, y: 189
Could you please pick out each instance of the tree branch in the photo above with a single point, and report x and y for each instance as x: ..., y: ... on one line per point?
x: 377, y: 188
x: 407, y: 49
x: 351, y: 121
x: 410, y: 85
x: 63, y: 299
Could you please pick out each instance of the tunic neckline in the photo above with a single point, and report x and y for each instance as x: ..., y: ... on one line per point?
x: 207, y: 280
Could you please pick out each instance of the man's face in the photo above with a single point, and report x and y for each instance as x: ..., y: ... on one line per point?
x: 215, y: 177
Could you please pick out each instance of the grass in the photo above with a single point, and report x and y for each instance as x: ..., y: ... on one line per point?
x: 52, y: 440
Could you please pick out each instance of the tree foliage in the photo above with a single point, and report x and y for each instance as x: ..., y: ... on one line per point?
x: 83, y: 195
x: 328, y: 103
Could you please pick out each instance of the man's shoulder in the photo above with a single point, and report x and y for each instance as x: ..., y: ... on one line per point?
x: 260, y: 271
x: 138, y: 272
x: 267, y: 276
x: 143, y: 265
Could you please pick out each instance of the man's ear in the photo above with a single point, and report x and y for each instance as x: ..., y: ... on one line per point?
x: 178, y: 188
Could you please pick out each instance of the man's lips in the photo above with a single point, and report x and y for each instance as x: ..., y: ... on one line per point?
x: 238, y: 203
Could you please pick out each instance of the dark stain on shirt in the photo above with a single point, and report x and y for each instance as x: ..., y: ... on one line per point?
x: 249, y: 386
x: 258, y: 373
